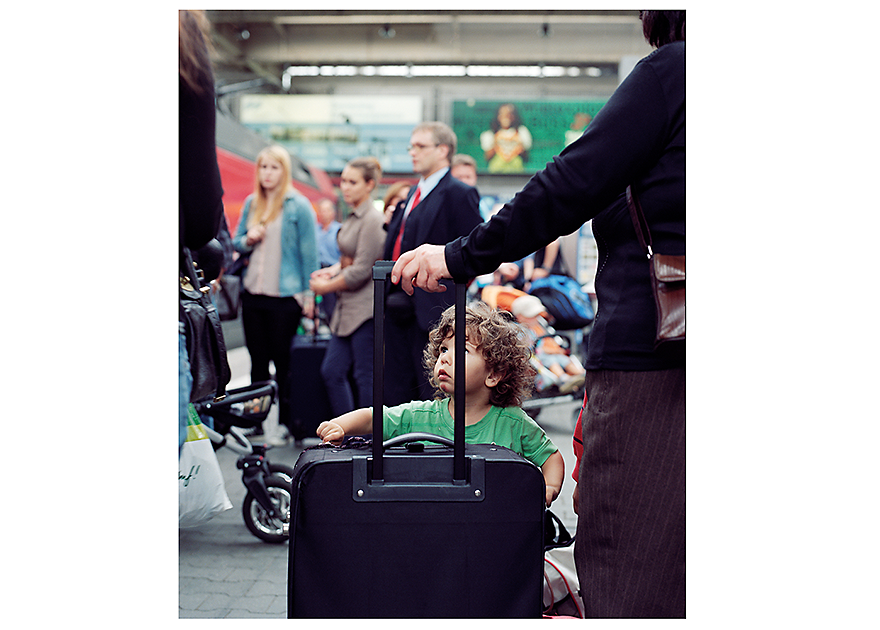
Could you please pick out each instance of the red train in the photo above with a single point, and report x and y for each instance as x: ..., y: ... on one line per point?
x: 237, y: 149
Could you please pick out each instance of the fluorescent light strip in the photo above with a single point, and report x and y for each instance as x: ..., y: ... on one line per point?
x: 442, y: 71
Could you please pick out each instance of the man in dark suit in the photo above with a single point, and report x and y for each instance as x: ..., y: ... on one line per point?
x: 439, y: 209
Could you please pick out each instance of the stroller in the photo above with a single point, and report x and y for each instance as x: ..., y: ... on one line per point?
x: 570, y: 343
x: 267, y: 502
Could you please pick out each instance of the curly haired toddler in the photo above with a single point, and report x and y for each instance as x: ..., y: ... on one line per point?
x: 498, y: 378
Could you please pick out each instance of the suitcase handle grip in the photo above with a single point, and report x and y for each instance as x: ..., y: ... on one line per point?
x: 418, y: 437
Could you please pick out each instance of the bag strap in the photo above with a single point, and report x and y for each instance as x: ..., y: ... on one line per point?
x: 638, y: 219
x: 218, y: 348
x: 238, y: 265
x: 555, y: 530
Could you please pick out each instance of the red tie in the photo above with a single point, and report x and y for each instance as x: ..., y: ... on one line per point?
x: 395, y: 254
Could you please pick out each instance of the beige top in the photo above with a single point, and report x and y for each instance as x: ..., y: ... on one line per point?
x: 362, y: 238
x: 264, y: 266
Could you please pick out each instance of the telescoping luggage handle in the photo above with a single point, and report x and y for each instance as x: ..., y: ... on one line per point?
x: 381, y: 272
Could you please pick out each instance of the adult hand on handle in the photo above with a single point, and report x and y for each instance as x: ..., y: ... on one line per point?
x: 422, y: 267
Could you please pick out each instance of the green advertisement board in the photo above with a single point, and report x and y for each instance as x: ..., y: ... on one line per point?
x: 519, y: 136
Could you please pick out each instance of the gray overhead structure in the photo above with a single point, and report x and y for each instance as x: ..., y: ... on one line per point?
x: 309, y: 51
x: 442, y: 57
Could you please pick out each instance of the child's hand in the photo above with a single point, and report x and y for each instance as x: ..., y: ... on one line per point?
x: 331, y: 432
x: 551, y: 493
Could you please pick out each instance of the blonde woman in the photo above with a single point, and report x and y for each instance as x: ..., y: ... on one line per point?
x: 361, y: 240
x: 277, y: 231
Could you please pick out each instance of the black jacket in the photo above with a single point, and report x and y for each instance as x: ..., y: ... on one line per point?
x: 450, y: 210
x: 638, y: 138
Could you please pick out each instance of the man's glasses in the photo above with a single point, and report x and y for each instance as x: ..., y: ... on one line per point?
x: 420, y: 147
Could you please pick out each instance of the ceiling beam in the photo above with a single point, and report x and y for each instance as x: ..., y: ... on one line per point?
x: 233, y: 50
x: 498, y: 17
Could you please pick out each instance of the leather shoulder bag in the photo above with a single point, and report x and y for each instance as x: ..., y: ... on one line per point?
x: 667, y: 278
x: 204, y: 335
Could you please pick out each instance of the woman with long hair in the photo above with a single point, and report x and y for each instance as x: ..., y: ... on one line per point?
x: 506, y: 144
x: 277, y: 232
x: 361, y: 240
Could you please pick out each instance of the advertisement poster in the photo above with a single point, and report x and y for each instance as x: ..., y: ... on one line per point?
x: 519, y: 136
x: 328, y: 130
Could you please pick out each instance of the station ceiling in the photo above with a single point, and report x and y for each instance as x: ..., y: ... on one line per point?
x: 259, y: 46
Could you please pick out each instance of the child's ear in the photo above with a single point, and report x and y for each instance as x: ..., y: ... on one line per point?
x: 493, y: 379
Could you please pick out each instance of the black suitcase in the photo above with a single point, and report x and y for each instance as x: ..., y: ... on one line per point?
x: 415, y: 531
x: 309, y: 403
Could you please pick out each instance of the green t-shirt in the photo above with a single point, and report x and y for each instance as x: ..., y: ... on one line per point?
x: 510, y: 427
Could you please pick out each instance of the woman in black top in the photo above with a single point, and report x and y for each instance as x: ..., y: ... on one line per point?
x: 200, y: 195
x: 630, y: 549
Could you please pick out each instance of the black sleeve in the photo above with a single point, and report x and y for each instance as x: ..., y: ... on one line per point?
x: 622, y: 141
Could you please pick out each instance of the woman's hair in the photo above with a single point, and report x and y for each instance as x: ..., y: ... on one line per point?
x: 369, y: 168
x: 515, y: 121
x: 260, y: 210
x: 662, y: 27
x: 393, y: 190
x: 504, y: 344
x: 194, y: 62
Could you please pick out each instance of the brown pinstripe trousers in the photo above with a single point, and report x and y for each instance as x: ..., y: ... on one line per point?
x: 630, y: 545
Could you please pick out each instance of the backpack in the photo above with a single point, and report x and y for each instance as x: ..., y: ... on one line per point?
x: 565, y: 300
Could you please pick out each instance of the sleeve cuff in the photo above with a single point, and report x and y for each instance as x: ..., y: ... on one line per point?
x: 455, y: 261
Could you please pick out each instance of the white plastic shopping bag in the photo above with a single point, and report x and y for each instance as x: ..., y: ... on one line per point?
x: 202, y: 491
x: 561, y: 588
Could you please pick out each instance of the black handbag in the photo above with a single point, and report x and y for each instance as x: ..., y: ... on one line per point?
x: 205, y: 345
x: 228, y: 294
x: 667, y: 279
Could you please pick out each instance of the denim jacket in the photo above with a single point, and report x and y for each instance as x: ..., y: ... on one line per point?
x: 299, y: 250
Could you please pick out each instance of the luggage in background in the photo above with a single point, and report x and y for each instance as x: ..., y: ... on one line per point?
x: 408, y: 530
x: 309, y: 403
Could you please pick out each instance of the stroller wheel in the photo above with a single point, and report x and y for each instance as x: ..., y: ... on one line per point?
x: 256, y: 518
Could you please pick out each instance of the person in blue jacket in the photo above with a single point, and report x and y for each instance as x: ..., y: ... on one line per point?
x: 277, y: 232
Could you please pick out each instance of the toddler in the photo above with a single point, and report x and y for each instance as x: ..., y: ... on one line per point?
x: 554, y: 365
x: 497, y: 379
